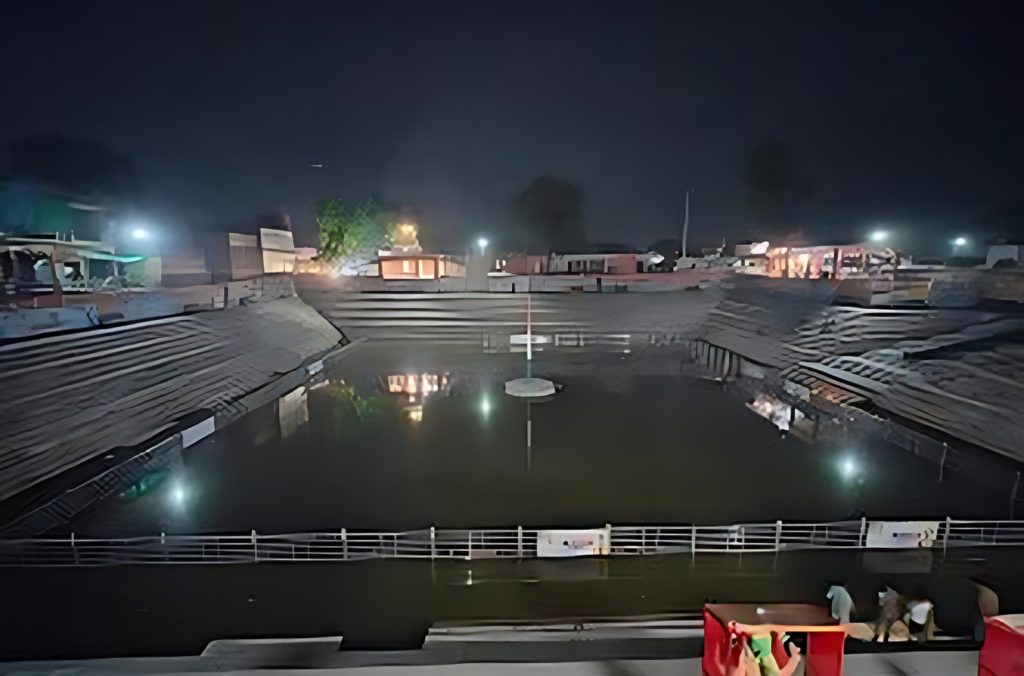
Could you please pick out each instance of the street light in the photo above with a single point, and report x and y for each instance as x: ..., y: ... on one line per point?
x: 960, y: 241
x: 140, y: 234
x: 879, y: 236
x: 482, y: 243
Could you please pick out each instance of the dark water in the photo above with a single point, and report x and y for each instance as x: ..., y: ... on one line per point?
x: 628, y: 439
x: 161, y: 610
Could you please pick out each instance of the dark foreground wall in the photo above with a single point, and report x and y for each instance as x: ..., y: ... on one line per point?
x: 65, y: 399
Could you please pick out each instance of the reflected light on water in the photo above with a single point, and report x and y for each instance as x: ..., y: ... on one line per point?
x: 417, y: 387
x: 848, y: 468
x: 178, y: 495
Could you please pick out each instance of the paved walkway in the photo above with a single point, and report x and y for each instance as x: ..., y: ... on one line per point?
x: 952, y: 663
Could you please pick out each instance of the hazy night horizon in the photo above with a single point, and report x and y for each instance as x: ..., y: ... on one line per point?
x: 899, y: 114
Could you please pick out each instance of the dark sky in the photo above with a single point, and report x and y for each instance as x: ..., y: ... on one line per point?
x: 908, y: 113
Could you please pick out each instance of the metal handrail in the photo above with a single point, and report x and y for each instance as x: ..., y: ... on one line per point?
x: 471, y: 544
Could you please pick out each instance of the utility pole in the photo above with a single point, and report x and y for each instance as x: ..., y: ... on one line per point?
x: 686, y: 225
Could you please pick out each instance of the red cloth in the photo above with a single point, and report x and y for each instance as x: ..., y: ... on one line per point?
x: 1002, y: 654
x: 724, y: 645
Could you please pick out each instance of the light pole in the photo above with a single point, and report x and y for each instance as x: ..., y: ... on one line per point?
x: 686, y: 225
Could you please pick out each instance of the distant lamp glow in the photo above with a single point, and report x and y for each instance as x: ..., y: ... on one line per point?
x: 178, y: 495
x: 141, y: 234
x: 485, y: 406
x: 960, y: 241
x: 879, y: 236
x: 482, y: 243
x: 848, y: 468
x: 760, y: 611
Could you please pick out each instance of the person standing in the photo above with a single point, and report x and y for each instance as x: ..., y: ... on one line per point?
x: 891, y: 612
x: 921, y: 619
x: 842, y: 603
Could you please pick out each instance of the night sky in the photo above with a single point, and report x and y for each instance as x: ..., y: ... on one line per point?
x: 896, y: 112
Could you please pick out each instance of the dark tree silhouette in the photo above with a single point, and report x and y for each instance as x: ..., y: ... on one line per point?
x: 1002, y: 223
x: 548, y: 216
x: 75, y: 164
x: 775, y: 192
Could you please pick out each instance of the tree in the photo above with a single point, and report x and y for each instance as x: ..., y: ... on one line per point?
x: 1002, y: 223
x: 75, y: 164
x: 351, y: 236
x: 548, y: 215
x: 774, y: 191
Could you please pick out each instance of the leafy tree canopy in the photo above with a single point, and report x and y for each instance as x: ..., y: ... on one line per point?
x: 352, y: 233
x: 548, y: 216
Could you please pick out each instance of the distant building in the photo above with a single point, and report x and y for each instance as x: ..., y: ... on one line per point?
x: 219, y: 257
x: 582, y: 263
x: 746, y: 249
x: 232, y: 256
x: 420, y: 266
x: 524, y: 264
x: 832, y: 261
x: 307, y: 261
x: 1005, y: 254
x: 278, y: 250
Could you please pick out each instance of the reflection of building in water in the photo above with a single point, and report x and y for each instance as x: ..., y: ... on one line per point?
x: 417, y: 387
x: 787, y: 418
x: 292, y: 411
x: 781, y: 414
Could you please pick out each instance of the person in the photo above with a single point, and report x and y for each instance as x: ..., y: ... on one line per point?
x: 891, y: 612
x: 842, y: 603
x: 920, y: 619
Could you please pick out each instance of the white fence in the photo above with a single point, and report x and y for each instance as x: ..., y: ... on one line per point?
x: 509, y: 543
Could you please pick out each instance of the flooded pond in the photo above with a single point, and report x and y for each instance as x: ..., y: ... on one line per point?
x: 403, y: 436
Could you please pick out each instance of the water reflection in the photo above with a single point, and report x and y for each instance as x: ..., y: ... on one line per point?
x: 292, y: 411
x: 778, y: 412
x: 417, y: 387
x: 624, y: 441
x: 362, y: 407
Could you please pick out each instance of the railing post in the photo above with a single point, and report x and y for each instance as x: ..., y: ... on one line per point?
x: 778, y: 544
x: 862, y: 540
x: 942, y: 463
x: 433, y: 543
x: 643, y: 539
x: 344, y: 544
x: 255, y: 551
x: 74, y: 549
x: 945, y: 537
x: 163, y: 544
x: 519, y: 541
x: 1013, y: 494
x: 693, y: 542
x: 469, y: 549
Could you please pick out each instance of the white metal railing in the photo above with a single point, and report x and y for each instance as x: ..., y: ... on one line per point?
x: 507, y: 543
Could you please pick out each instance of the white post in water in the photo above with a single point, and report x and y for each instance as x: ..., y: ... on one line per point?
x: 529, y: 329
